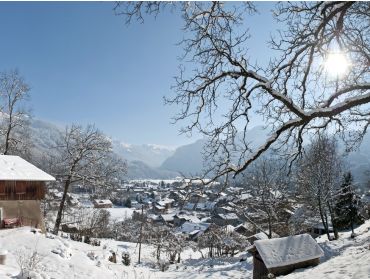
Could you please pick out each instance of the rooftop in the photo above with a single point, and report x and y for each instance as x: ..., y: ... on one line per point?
x: 289, y: 250
x: 15, y: 168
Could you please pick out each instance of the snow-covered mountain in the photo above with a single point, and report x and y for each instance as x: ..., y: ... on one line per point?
x: 159, y: 162
x: 143, y: 160
x: 188, y: 159
x: 151, y: 154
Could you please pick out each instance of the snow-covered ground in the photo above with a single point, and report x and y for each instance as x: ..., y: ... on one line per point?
x: 344, y: 258
x: 64, y: 258
x: 120, y: 213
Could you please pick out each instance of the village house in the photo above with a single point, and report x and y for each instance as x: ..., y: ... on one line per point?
x: 180, y: 219
x: 280, y: 256
x: 168, y: 218
x: 22, y: 186
x: 260, y: 236
x: 102, y: 203
x: 226, y: 219
x: 192, y: 230
x: 246, y: 229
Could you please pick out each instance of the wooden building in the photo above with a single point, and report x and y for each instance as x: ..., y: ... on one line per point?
x: 280, y: 256
x: 22, y: 186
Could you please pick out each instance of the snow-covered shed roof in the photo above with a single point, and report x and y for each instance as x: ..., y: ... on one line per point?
x: 284, y: 251
x: 15, y: 168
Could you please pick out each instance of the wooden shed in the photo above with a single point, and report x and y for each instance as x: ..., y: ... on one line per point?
x: 22, y: 186
x: 280, y: 256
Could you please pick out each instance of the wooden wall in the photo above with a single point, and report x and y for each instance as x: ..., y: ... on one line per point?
x: 22, y: 190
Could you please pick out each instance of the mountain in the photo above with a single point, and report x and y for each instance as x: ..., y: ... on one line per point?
x: 143, y: 160
x: 140, y: 170
x: 151, y: 154
x: 188, y: 159
x: 358, y: 162
x: 159, y: 162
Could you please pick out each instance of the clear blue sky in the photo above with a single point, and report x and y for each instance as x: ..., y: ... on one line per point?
x: 85, y: 65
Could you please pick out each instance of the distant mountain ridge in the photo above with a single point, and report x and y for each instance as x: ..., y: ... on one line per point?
x: 143, y: 160
x: 151, y: 161
x: 151, y: 154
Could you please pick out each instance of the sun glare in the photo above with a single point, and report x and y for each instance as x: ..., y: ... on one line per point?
x: 336, y: 65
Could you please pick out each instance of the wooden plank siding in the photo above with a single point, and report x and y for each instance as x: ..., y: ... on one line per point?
x: 22, y: 190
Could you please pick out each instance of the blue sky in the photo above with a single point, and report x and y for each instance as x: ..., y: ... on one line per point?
x: 85, y: 65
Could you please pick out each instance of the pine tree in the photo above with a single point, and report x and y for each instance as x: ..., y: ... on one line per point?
x: 346, y: 208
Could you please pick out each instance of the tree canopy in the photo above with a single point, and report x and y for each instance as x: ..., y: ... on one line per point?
x: 296, y: 93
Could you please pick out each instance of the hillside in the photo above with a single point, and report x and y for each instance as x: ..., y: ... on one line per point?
x: 64, y: 258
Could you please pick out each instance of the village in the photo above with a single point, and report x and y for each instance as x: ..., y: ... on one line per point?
x: 206, y: 139
x: 187, y: 208
x: 173, y: 215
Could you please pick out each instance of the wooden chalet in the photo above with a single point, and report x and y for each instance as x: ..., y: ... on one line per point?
x: 280, y: 256
x: 22, y: 186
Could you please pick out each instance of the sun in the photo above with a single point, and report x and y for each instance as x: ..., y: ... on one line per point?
x: 336, y: 64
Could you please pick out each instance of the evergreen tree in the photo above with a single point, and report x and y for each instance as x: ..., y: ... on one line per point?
x: 346, y: 208
x: 128, y: 203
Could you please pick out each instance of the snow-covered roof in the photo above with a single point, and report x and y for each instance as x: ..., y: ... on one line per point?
x: 189, y: 218
x: 229, y: 216
x: 284, y: 251
x: 102, y: 201
x: 168, y: 217
x: 15, y: 168
x: 189, y: 227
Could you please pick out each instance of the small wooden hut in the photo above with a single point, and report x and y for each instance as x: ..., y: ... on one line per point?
x: 280, y: 256
x: 22, y: 186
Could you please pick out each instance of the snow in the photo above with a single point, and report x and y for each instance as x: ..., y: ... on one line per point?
x: 228, y: 216
x: 15, y: 168
x: 284, y: 251
x: 189, y: 227
x: 103, y: 202
x: 120, y: 213
x: 64, y: 258
x: 344, y: 258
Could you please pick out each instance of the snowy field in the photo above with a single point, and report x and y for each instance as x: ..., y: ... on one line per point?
x: 120, y: 213
x: 63, y: 258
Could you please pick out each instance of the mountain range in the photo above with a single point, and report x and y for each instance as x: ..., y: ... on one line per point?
x: 150, y: 161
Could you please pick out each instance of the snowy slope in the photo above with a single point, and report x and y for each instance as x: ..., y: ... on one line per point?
x: 62, y: 258
x: 344, y: 258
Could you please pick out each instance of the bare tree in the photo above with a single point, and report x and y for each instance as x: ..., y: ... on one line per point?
x: 269, y: 187
x: 14, y: 118
x: 319, y: 178
x: 85, y: 154
x: 295, y: 94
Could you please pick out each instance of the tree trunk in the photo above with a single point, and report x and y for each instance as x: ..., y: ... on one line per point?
x: 270, y: 226
x: 324, y: 223
x: 6, y: 149
x: 61, y: 206
x: 333, y: 222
